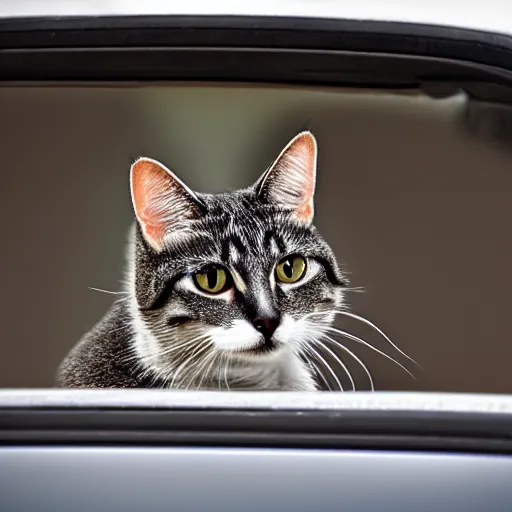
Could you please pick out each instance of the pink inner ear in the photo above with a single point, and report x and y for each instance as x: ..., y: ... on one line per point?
x: 149, y: 182
x: 304, y: 151
x: 307, y: 152
x: 305, y: 212
x: 305, y: 146
x: 292, y: 180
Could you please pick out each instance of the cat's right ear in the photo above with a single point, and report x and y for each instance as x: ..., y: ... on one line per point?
x: 164, y: 206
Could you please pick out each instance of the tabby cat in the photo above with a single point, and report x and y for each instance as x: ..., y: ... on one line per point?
x: 229, y: 291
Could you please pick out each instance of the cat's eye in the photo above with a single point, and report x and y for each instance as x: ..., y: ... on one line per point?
x: 291, y: 269
x: 212, y: 280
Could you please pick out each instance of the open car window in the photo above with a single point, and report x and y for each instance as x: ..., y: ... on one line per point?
x: 386, y: 129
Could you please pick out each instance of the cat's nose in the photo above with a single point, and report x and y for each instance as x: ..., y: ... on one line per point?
x: 266, y: 325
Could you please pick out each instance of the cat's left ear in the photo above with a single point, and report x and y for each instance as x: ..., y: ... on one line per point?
x: 290, y: 181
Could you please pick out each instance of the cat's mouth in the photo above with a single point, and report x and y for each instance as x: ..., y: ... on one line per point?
x: 262, y: 348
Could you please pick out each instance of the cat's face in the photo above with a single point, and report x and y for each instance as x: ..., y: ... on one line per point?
x: 226, y: 287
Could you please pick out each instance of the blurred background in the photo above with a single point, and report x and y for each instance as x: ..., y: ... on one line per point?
x: 416, y: 210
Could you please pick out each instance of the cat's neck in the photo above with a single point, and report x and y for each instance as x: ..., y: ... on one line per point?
x: 283, y: 372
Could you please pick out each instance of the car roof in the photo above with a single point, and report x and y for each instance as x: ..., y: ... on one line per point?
x: 492, y: 16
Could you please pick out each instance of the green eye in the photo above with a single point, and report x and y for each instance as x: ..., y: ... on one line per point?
x: 291, y: 269
x: 212, y: 280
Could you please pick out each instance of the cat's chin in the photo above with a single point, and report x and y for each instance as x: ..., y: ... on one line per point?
x: 259, y: 352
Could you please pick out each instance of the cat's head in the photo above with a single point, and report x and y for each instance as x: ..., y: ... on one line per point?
x: 226, y: 287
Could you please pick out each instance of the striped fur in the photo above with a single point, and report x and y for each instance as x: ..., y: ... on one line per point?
x: 168, y: 333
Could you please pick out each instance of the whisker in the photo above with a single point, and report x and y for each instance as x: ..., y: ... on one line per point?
x: 326, y: 364
x: 219, y: 373
x: 354, y: 289
x: 166, y: 328
x: 166, y: 377
x: 201, y: 347
x: 348, y: 351
x: 127, y: 353
x: 168, y: 351
x: 370, y: 346
x: 154, y: 379
x: 213, y: 359
x: 202, y: 363
x: 183, y: 344
x: 340, y: 362
x: 170, y: 334
x: 317, y: 369
x: 157, y: 329
x: 377, y: 330
x: 228, y: 358
x: 325, y: 312
x: 171, y: 349
x: 146, y: 372
x: 167, y: 333
x: 199, y: 361
x: 107, y: 291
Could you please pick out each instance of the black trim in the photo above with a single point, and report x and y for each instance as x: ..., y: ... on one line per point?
x: 256, y: 49
x: 376, y: 430
x: 258, y: 31
x: 249, y: 66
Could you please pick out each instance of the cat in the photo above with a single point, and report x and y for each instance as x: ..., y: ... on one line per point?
x: 227, y: 291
